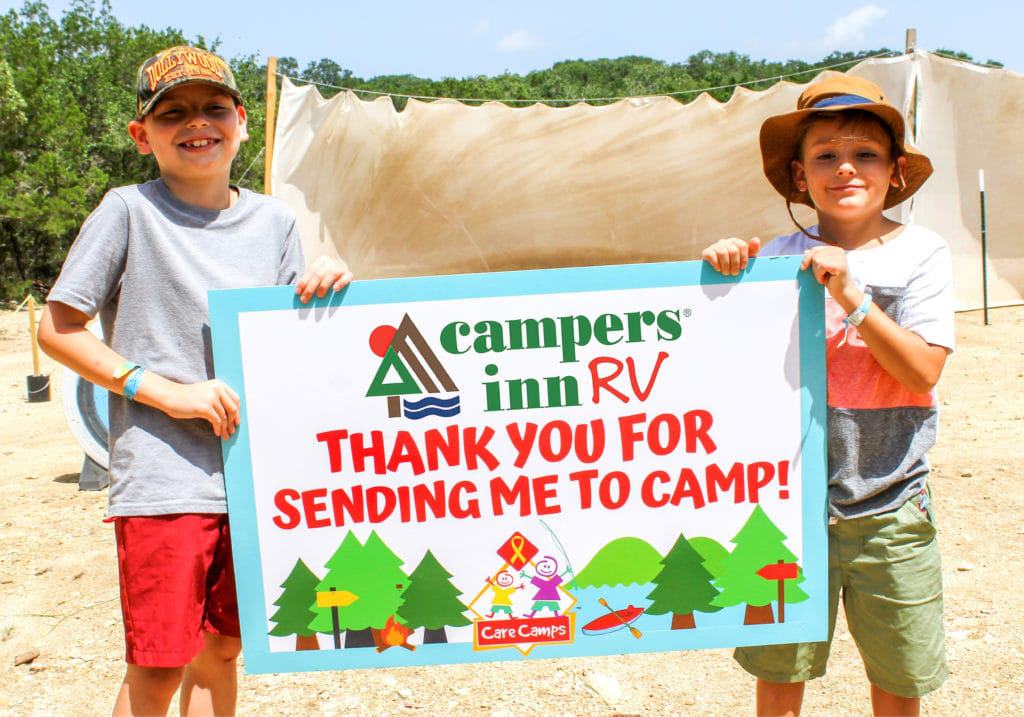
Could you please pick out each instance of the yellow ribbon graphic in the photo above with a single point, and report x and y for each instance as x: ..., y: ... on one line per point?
x: 517, y: 542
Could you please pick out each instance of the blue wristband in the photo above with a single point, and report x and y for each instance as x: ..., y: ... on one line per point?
x: 856, y: 316
x: 131, y: 386
x: 124, y: 369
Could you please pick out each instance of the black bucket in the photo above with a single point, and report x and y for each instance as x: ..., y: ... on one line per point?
x: 38, y: 388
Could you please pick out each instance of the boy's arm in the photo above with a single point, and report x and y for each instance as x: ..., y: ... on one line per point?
x: 903, y: 354
x: 63, y: 336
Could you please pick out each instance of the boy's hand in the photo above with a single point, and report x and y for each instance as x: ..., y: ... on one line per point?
x: 213, y: 401
x: 829, y: 265
x: 730, y: 256
x: 325, y: 274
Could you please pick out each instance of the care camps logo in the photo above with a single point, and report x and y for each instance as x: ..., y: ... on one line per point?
x: 402, y: 349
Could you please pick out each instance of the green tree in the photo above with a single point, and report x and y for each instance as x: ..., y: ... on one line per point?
x: 431, y: 601
x: 388, y: 581
x: 371, y: 572
x: 251, y: 77
x: 759, y: 543
x: 340, y: 568
x: 76, y: 79
x: 294, y: 616
x: 683, y: 586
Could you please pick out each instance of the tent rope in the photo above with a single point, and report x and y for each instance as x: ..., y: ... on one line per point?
x: 511, y: 100
x: 258, y: 155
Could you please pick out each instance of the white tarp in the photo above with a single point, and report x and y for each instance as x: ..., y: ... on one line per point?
x: 443, y: 187
x: 970, y: 119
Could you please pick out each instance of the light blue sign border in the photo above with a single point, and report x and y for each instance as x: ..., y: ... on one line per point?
x: 810, y: 623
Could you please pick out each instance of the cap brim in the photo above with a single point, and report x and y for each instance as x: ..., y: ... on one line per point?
x: 147, y: 108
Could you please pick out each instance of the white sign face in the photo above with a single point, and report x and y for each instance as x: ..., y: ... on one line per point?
x: 558, y: 463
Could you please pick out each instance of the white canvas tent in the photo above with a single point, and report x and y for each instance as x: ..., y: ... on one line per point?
x: 443, y: 187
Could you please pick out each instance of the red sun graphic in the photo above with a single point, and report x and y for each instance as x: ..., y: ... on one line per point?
x: 380, y: 339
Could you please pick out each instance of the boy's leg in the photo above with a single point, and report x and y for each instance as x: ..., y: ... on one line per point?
x: 779, y: 699
x: 210, y: 685
x: 147, y: 690
x: 169, y: 574
x: 886, y: 704
x: 894, y: 608
x: 781, y: 670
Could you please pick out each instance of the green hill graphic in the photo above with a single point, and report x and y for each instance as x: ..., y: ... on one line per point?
x: 623, y: 561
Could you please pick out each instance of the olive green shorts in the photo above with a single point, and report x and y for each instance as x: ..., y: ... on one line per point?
x: 887, y: 569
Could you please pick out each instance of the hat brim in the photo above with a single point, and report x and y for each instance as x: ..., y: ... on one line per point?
x: 778, y: 149
x: 151, y: 103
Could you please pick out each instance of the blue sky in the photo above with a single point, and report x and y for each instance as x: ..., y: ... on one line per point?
x: 462, y: 38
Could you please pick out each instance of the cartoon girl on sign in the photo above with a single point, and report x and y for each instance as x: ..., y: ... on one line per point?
x: 547, y: 581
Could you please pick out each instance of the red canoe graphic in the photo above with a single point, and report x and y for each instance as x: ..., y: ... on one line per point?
x: 611, y: 622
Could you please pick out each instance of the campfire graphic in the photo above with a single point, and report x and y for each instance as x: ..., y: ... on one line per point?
x: 394, y: 634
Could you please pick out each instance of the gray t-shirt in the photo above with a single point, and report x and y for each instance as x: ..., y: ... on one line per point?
x: 144, y: 261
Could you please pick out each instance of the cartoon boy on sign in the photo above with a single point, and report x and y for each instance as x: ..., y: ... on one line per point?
x: 501, y: 593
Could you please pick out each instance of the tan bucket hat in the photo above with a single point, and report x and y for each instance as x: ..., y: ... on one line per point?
x: 836, y: 94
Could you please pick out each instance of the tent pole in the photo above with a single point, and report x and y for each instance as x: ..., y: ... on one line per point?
x: 910, y: 47
x: 984, y: 246
x: 271, y: 121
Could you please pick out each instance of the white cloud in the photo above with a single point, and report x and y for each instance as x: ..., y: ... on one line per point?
x: 849, y: 31
x: 481, y: 28
x: 518, y: 41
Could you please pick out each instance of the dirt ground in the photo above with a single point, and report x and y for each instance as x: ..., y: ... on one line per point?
x: 59, y: 594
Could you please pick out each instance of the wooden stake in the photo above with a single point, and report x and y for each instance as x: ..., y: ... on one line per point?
x: 271, y: 122
x: 32, y: 333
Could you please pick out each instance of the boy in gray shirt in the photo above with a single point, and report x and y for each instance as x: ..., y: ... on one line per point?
x: 143, y: 261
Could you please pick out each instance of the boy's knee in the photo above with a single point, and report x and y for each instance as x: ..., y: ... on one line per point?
x: 154, y: 679
x: 221, y: 647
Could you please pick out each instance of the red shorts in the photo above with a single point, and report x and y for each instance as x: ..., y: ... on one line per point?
x: 177, y: 582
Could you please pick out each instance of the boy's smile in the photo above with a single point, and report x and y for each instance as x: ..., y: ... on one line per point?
x: 194, y: 132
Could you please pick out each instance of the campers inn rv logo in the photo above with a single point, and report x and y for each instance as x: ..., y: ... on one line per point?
x: 404, y: 352
x: 409, y: 367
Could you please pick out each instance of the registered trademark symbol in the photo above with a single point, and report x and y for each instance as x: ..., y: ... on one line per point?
x: 687, y: 312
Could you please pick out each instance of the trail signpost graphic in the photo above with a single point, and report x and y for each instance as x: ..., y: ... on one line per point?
x: 780, y: 572
x: 523, y: 465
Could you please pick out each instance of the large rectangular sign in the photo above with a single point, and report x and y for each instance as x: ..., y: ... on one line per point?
x: 530, y: 464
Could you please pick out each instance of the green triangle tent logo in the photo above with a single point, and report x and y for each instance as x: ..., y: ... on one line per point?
x: 404, y: 386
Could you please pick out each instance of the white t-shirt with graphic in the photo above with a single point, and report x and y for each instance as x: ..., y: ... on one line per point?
x: 879, y: 431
